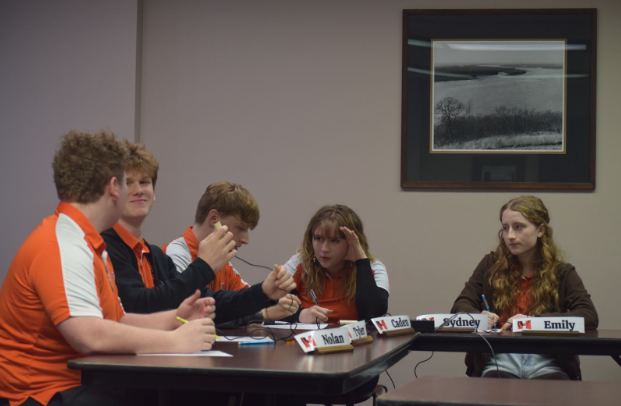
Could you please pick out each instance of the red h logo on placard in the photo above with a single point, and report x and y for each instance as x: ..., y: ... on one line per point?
x: 524, y: 324
x: 381, y: 325
x: 308, y: 342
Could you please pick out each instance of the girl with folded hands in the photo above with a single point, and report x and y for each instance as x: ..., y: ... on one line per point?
x: 525, y: 277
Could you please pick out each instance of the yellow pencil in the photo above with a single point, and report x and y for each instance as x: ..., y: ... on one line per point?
x: 184, y: 321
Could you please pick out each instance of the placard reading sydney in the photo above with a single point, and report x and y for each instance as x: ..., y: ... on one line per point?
x: 575, y: 324
x: 459, y: 320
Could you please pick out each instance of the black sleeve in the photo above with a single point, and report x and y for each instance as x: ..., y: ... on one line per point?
x: 167, y: 294
x: 235, y: 304
x: 371, y: 300
x: 241, y: 322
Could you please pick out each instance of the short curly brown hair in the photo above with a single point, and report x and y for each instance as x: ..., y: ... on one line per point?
x: 141, y: 160
x: 85, y: 163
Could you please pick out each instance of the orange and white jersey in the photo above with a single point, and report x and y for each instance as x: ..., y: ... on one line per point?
x: 184, y: 251
x: 62, y: 270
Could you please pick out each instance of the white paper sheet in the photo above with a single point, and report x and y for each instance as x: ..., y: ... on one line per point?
x: 298, y: 326
x: 244, y: 340
x: 211, y: 353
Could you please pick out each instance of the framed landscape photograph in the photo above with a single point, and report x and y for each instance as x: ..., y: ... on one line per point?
x: 498, y: 99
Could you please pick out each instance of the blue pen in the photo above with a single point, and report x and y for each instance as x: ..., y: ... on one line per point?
x: 487, y: 307
x: 256, y: 342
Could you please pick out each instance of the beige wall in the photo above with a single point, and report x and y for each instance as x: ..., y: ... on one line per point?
x: 63, y: 65
x: 300, y: 102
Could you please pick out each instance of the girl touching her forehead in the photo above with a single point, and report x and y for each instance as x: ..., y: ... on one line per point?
x: 525, y: 277
x: 336, y: 275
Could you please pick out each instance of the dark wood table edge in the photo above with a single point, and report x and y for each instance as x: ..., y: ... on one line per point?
x: 457, y: 342
x: 254, y: 380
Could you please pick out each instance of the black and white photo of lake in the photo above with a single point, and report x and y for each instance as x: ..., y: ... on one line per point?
x: 494, y: 96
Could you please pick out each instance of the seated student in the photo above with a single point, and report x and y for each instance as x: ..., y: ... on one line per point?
x: 336, y: 267
x: 147, y: 278
x: 379, y: 270
x: 233, y: 206
x: 59, y: 299
x: 524, y: 277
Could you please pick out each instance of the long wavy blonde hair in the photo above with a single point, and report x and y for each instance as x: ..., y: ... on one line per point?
x: 332, y: 218
x: 506, y: 272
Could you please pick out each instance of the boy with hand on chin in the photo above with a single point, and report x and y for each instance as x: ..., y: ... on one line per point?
x: 234, y: 207
x: 147, y: 278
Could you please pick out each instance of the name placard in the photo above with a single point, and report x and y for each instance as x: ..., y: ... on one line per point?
x: 332, y: 337
x: 358, y: 333
x: 549, y: 324
x: 357, y: 330
x: 392, y: 323
x: 306, y: 341
x: 460, y: 321
x: 325, y: 341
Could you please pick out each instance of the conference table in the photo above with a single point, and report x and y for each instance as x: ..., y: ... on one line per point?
x: 592, y: 342
x: 283, y: 369
x: 278, y: 369
x: 435, y: 390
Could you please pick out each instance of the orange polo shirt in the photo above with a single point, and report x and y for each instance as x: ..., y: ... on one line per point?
x: 227, y: 278
x: 523, y: 300
x: 140, y: 249
x: 522, y: 306
x: 61, y: 270
x: 330, y: 298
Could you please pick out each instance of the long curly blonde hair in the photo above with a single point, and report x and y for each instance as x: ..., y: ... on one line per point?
x: 332, y: 218
x: 505, y: 274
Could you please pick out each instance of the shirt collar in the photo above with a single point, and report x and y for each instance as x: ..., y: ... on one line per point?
x: 191, y: 240
x: 128, y: 238
x: 91, y: 235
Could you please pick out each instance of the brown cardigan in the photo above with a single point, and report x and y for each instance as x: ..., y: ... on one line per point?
x: 573, y: 301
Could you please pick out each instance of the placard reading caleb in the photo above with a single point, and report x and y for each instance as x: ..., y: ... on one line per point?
x: 393, y: 325
x: 400, y: 323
